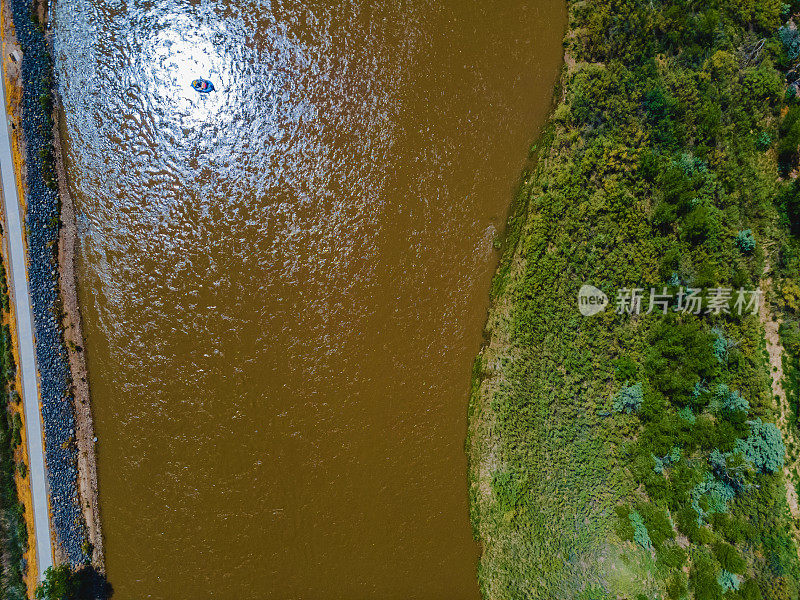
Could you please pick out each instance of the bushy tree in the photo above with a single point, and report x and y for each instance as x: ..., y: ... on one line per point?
x: 59, y: 584
x: 629, y: 398
x: 761, y: 83
x: 665, y: 462
x: 789, y: 140
x: 722, y: 65
x: 730, y: 402
x: 680, y: 354
x: 728, y: 581
x: 735, y: 403
x: 687, y: 415
x: 658, y: 464
x: 699, y: 390
x: 791, y: 41
x: 640, y: 535
x: 745, y: 241
x: 762, y: 13
x: 709, y: 497
x: 730, y: 468
x: 763, y: 141
x: 764, y: 447
x: 701, y: 225
x: 720, y: 347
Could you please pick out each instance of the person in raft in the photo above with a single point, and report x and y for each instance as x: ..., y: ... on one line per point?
x: 203, y: 86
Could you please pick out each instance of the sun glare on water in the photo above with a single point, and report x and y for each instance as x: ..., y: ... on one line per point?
x: 173, y: 57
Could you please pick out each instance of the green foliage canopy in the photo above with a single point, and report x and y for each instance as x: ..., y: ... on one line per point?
x: 764, y: 447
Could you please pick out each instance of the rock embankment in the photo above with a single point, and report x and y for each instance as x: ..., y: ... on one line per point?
x: 42, y: 221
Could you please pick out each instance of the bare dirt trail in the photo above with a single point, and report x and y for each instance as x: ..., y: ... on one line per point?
x: 771, y: 324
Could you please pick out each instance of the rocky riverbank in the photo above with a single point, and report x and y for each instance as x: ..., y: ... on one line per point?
x: 73, y: 336
x: 69, y: 500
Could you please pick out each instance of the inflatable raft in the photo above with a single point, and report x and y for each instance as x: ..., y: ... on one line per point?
x: 203, y: 86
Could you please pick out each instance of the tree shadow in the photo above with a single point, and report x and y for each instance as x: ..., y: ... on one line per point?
x: 93, y: 585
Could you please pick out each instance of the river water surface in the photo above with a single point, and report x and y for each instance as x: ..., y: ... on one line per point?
x: 284, y: 282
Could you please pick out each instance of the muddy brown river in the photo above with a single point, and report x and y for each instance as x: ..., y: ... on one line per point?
x: 284, y: 282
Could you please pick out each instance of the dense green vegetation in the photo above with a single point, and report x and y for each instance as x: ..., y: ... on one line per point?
x: 62, y: 583
x: 630, y: 455
x: 13, y: 529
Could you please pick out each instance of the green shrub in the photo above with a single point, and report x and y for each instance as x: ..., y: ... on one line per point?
x: 703, y: 578
x: 625, y: 369
x: 508, y: 487
x: 729, y: 558
x: 624, y: 528
x: 659, y: 527
x: 764, y: 447
x: 729, y: 527
x: 790, y: 198
x: 688, y: 525
x: 750, y: 591
x: 16, y: 430
x: 677, y: 587
x: 672, y: 556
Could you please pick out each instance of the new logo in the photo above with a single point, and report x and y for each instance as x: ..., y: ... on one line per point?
x: 591, y: 301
